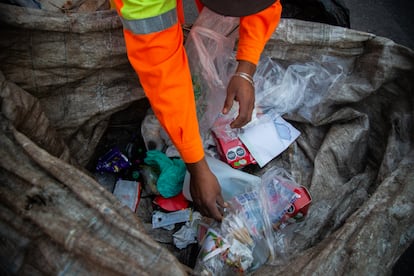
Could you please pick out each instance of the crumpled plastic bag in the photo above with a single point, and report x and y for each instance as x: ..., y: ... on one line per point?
x: 172, y: 172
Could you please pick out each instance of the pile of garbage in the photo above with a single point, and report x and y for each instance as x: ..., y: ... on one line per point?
x: 258, y: 207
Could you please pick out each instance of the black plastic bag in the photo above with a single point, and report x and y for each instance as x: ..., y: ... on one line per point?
x: 333, y: 12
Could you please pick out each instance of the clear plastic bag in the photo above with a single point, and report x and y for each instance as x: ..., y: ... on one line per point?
x: 221, y: 125
x: 209, y: 47
x: 241, y: 243
x: 250, y: 233
x: 323, y: 78
x: 278, y: 89
x: 277, y: 190
x: 298, y: 87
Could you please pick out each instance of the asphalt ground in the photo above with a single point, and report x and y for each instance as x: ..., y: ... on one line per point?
x: 392, y: 19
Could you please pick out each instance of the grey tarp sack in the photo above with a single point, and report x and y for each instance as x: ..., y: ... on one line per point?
x: 64, y: 75
x: 76, y: 67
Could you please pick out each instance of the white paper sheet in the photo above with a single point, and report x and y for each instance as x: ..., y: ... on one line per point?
x: 268, y: 138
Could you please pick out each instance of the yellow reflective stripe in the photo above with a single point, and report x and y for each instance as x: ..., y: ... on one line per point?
x: 151, y: 24
x: 139, y: 9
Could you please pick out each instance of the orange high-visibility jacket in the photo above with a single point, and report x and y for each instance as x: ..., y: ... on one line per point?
x: 154, y: 42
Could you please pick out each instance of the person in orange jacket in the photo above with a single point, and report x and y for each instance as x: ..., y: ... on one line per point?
x: 155, y: 49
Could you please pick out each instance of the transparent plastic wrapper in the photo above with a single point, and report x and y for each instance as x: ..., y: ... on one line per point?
x: 221, y: 125
x: 278, y: 89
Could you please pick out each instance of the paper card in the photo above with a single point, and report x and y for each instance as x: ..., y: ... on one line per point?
x: 268, y: 138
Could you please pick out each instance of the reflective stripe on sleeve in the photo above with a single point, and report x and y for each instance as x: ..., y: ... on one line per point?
x: 151, y: 24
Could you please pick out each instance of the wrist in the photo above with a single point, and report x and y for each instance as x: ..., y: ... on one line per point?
x: 197, y: 167
x: 245, y: 76
x: 247, y: 67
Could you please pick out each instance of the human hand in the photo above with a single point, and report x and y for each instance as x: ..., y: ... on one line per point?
x: 241, y: 89
x: 205, y: 190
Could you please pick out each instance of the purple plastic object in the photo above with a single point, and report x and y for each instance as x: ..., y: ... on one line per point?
x: 113, y: 161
